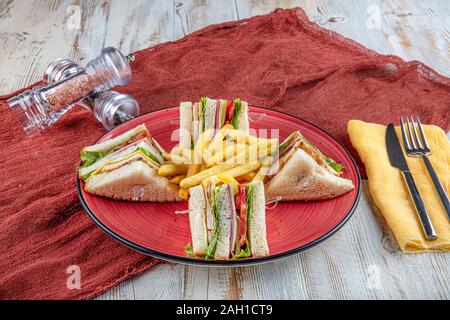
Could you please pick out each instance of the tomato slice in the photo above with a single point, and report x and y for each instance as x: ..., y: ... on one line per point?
x: 230, y: 110
x: 242, y: 214
x: 140, y: 136
x: 237, y: 201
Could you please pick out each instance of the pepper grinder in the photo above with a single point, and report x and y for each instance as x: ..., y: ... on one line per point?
x: 110, y: 108
x: 67, y: 85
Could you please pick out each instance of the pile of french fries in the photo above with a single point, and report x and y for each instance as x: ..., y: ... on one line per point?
x: 228, y: 156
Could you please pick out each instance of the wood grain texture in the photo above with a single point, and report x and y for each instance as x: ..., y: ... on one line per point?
x: 33, y: 33
x: 192, y: 15
x: 361, y: 260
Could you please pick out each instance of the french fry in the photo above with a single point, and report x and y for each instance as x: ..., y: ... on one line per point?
x: 267, y: 143
x: 183, y: 193
x: 202, y: 143
x: 227, y: 179
x: 199, y: 177
x: 241, y: 137
x: 214, y: 179
x: 179, y: 156
x: 264, y: 171
x: 220, y: 149
x: 176, y: 159
x: 177, y: 179
x: 216, y: 142
x: 243, y: 169
x: 172, y: 170
x: 167, y: 156
x: 271, y: 141
x: 193, y: 169
x: 268, y: 161
x: 180, y: 151
x: 248, y: 154
x: 265, y: 148
x: 230, y: 150
x: 260, y: 175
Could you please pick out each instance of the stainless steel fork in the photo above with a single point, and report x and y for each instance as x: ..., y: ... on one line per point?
x: 418, y: 147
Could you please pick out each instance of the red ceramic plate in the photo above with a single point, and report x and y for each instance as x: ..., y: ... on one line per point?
x: 155, y: 229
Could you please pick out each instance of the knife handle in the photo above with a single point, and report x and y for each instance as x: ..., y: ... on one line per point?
x: 425, y: 220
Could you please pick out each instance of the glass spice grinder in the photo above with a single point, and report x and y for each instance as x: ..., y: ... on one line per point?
x: 67, y: 84
x: 110, y: 108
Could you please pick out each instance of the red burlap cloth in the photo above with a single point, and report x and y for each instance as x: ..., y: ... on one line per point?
x: 281, y: 61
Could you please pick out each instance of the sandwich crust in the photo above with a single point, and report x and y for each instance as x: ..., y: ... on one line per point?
x: 224, y: 212
x: 135, y: 181
x: 301, y: 178
x: 258, y: 233
x: 117, y: 141
x: 197, y: 220
x: 186, y: 124
x: 210, y: 114
x: 243, y: 123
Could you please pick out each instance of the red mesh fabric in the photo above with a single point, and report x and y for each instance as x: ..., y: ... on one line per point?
x: 281, y: 61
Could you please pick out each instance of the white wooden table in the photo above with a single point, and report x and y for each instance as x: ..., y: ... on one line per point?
x: 361, y: 260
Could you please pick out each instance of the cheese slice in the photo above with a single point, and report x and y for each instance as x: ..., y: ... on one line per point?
x: 124, y: 160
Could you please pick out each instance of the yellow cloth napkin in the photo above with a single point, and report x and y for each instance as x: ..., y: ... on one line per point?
x: 389, y: 192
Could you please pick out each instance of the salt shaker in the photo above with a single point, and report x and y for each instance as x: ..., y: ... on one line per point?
x: 110, y: 108
x: 40, y: 107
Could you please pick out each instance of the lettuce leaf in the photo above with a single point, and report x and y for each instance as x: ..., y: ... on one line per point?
x: 90, y: 157
x: 148, y: 154
x: 244, y: 253
x: 336, y: 166
x: 87, y: 175
x: 209, y: 253
x: 189, y: 250
x: 203, y: 102
x: 158, y: 148
x: 287, y: 142
x: 237, y: 111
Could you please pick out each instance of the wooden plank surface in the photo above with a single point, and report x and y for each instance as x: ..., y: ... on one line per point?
x: 361, y: 260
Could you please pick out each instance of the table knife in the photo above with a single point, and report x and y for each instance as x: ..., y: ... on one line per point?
x: 397, y: 159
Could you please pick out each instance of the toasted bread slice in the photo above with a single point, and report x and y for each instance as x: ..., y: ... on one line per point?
x: 243, y: 122
x: 257, y: 224
x: 186, y: 125
x: 135, y: 181
x: 210, y: 114
x: 197, y: 220
x: 301, y: 178
x: 224, y: 211
x: 117, y: 141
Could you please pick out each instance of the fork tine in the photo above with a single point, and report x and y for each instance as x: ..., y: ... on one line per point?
x: 411, y: 135
x: 404, y: 135
x: 422, y: 134
x: 416, y: 136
